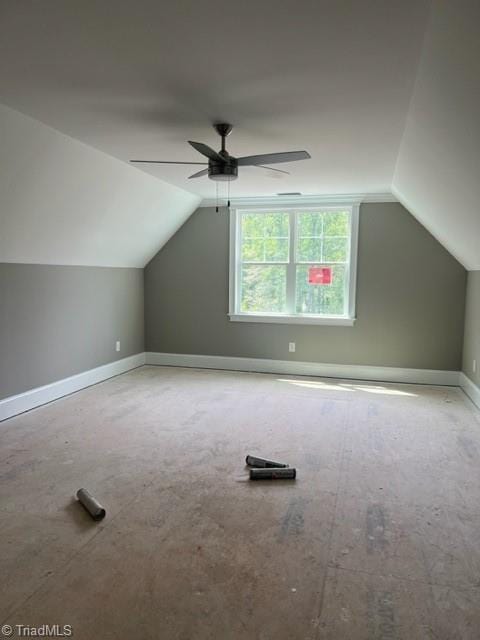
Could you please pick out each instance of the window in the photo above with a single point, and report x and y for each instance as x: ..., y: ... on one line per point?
x: 293, y: 264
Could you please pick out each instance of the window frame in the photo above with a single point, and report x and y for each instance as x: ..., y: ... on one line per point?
x: 235, y: 263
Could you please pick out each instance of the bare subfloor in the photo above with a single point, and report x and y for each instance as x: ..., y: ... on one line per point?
x: 378, y: 538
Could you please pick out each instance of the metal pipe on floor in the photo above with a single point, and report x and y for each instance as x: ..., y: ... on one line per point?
x: 91, y: 504
x: 273, y: 474
x: 262, y: 463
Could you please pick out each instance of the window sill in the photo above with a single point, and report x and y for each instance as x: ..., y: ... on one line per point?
x: 286, y: 319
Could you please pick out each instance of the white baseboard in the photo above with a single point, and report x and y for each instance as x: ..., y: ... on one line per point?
x: 470, y: 388
x: 291, y: 367
x: 14, y: 405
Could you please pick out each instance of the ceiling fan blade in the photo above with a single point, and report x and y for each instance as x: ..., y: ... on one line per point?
x: 206, y: 151
x: 273, y: 158
x: 165, y: 162
x: 203, y: 172
x: 262, y: 166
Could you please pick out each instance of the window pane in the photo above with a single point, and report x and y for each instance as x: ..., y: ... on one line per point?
x: 310, y: 224
x: 335, y: 249
x: 322, y: 239
x: 336, y: 223
x: 253, y: 250
x: 320, y: 299
x: 252, y: 225
x: 265, y: 237
x: 309, y: 250
x: 263, y: 288
x: 276, y: 250
x: 276, y: 224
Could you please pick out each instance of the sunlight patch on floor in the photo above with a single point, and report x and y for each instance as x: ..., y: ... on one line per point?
x: 344, y: 386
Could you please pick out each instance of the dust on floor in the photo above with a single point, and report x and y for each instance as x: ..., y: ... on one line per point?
x: 378, y: 538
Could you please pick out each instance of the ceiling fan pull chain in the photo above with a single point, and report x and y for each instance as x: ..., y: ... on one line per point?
x: 228, y: 195
x: 216, y: 197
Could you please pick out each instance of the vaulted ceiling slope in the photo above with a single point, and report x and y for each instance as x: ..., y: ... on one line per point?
x: 62, y: 202
x: 438, y: 169
x: 137, y: 79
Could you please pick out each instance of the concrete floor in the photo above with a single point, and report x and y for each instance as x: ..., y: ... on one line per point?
x: 378, y: 538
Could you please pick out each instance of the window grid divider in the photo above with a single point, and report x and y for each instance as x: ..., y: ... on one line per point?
x: 291, y: 267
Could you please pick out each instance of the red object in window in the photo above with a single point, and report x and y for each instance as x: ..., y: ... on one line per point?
x: 320, y: 275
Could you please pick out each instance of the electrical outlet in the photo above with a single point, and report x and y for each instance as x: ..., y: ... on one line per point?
x: 117, y: 345
x: 474, y: 366
x: 291, y: 347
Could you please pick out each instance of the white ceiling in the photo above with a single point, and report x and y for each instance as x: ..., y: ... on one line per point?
x: 138, y: 79
x: 383, y: 94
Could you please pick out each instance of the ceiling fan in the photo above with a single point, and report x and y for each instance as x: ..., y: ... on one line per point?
x: 223, y: 166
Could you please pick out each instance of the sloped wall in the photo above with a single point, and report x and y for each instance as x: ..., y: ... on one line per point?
x: 410, y: 299
x: 62, y: 202
x: 96, y: 219
x: 437, y: 175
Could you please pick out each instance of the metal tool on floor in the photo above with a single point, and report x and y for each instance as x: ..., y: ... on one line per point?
x: 262, y: 463
x: 91, y: 504
x: 275, y: 473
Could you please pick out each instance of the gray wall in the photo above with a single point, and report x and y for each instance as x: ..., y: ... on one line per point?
x: 471, y: 349
x: 410, y: 299
x: 56, y: 321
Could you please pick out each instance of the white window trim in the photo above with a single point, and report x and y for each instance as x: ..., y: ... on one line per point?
x: 344, y: 320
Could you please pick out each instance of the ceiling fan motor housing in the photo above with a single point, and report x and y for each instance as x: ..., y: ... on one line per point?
x: 227, y: 170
